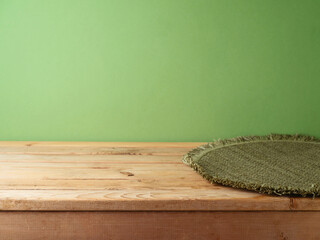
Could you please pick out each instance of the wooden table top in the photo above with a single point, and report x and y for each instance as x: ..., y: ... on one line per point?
x: 114, y: 176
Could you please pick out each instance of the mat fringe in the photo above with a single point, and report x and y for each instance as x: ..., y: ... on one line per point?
x: 195, y: 154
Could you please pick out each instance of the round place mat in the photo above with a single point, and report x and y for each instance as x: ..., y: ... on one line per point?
x: 274, y: 164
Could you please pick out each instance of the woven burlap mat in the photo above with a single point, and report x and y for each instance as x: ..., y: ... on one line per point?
x: 273, y: 164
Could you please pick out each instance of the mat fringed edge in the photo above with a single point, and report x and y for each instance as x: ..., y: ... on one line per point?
x: 195, y: 154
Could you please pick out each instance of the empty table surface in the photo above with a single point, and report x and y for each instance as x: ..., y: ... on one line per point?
x: 119, y: 176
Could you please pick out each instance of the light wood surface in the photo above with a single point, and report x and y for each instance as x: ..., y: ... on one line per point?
x: 105, y: 176
x: 160, y: 225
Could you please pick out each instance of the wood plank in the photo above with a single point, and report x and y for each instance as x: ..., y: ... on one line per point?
x: 139, y: 200
x: 59, y: 176
x: 128, y: 159
x: 96, y: 148
x: 305, y: 204
x: 160, y: 225
x: 102, y: 144
x: 93, y: 151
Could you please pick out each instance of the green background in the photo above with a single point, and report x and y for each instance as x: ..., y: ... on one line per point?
x: 158, y: 70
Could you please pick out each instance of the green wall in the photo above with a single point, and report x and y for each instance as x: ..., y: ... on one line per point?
x: 158, y: 70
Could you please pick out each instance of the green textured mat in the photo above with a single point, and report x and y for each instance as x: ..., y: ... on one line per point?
x: 274, y: 164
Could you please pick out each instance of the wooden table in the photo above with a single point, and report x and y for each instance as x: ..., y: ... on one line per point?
x: 103, y: 190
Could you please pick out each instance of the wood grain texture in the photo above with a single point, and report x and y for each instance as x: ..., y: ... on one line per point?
x: 105, y: 176
x: 159, y: 225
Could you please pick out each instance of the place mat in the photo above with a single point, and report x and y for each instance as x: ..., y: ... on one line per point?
x: 274, y: 164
